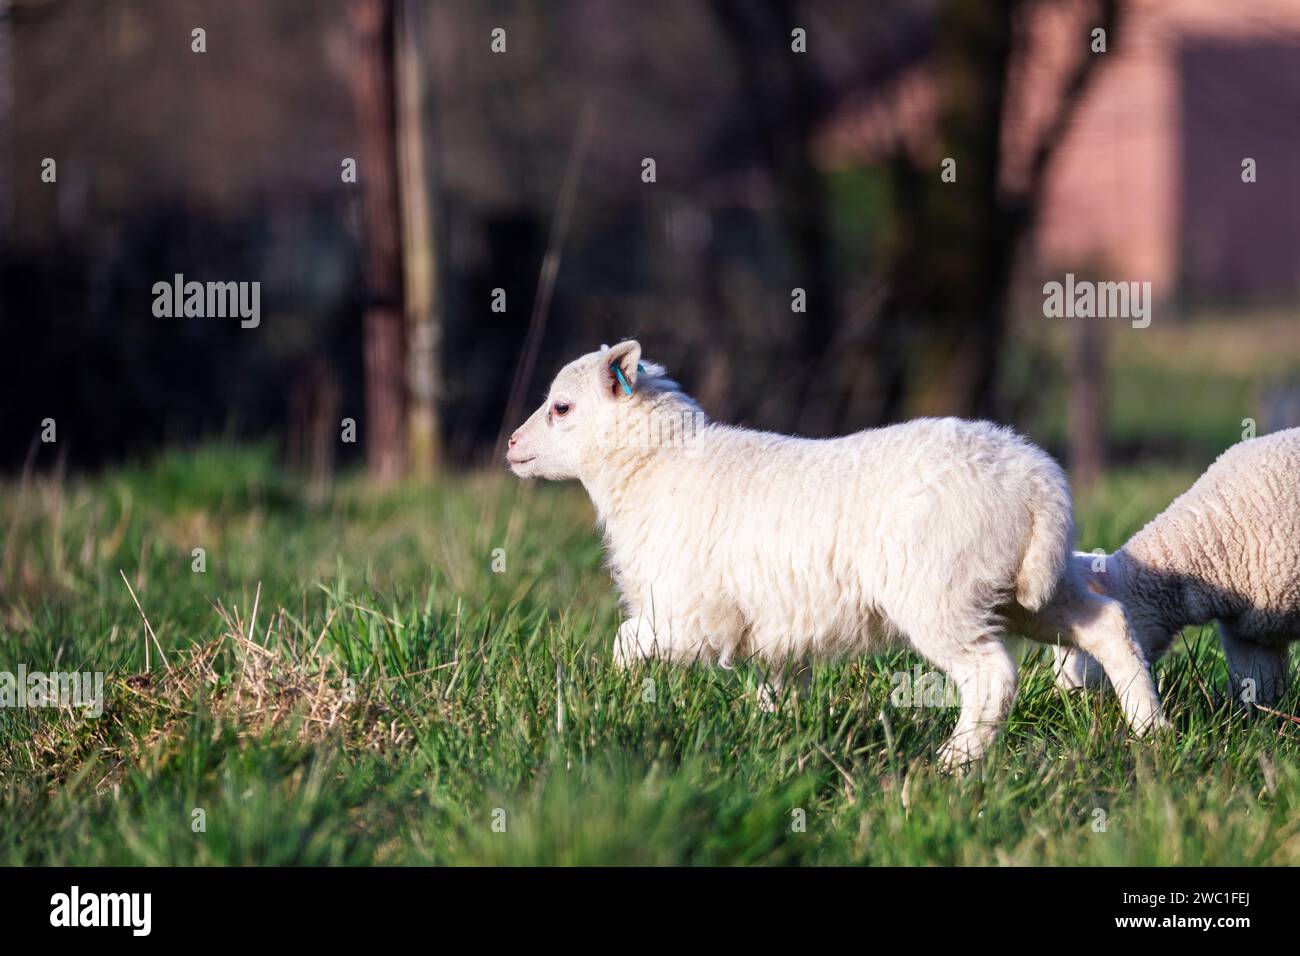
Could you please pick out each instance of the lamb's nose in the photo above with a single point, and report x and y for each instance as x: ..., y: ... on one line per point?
x: 514, y: 440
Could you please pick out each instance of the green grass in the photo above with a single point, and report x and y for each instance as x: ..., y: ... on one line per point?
x: 481, y: 699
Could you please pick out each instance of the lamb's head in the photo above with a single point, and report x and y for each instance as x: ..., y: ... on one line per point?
x: 582, y: 415
x: 1158, y: 602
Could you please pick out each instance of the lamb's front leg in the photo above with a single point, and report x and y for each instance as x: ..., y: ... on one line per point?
x: 1257, y: 672
x: 1054, y: 625
x: 1102, y: 631
x: 1075, y: 670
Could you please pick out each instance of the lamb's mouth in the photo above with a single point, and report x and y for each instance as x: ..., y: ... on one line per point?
x: 515, y: 462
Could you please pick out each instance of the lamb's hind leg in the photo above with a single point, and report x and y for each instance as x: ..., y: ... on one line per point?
x: 1257, y: 671
x: 985, y: 675
x: 960, y: 641
x: 986, y: 678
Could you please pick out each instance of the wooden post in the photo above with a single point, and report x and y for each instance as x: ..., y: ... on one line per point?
x: 383, y: 322
x: 419, y: 255
x: 1087, y: 402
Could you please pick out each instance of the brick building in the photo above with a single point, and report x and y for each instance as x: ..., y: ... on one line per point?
x: 1147, y: 183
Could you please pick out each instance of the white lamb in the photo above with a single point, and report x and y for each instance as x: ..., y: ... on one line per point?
x: 1228, y: 548
x: 727, y: 543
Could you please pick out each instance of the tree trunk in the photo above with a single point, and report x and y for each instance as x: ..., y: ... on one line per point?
x: 1087, y: 414
x: 420, y: 255
x: 956, y: 243
x: 784, y: 96
x: 7, y: 115
x: 383, y: 323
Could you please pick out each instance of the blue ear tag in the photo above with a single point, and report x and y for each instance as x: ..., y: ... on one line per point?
x: 618, y: 372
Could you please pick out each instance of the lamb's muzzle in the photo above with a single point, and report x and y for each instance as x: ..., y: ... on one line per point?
x: 726, y: 543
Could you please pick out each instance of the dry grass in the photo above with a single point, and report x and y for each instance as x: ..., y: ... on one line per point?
x: 253, y: 685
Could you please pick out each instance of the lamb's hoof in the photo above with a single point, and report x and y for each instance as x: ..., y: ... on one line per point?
x: 956, y: 759
x: 1155, y: 726
x: 1071, y: 681
x: 767, y: 698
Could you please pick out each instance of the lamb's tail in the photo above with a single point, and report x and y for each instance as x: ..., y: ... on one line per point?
x: 1051, y: 537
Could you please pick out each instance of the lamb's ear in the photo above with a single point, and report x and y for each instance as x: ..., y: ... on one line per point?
x: 618, y: 369
x: 1090, y: 570
x: 1099, y: 578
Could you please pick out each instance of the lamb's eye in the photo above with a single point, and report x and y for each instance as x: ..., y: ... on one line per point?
x: 560, y: 408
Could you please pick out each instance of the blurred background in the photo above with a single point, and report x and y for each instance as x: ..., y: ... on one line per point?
x: 820, y: 216
x: 795, y: 254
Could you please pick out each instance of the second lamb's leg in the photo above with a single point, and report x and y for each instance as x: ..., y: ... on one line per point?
x: 1102, y: 630
x: 1055, y: 625
x: 1075, y: 670
x: 1257, y: 671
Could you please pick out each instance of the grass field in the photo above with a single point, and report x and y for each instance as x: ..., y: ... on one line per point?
x: 352, y: 682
